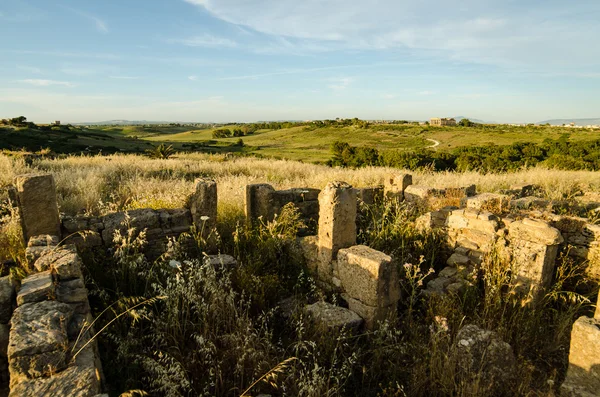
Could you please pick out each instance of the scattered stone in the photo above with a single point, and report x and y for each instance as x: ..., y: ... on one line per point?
x: 489, y: 201
x: 484, y: 355
x: 333, y: 317
x: 36, y: 288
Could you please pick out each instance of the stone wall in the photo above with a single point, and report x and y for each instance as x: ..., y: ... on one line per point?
x: 50, y: 350
x: 582, y: 240
x: 263, y: 201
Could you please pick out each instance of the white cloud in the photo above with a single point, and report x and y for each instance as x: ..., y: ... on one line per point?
x: 500, y: 32
x: 46, y: 83
x: 206, y: 40
x: 193, y: 78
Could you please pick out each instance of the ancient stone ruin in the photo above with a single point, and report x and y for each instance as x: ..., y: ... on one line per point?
x: 45, y: 320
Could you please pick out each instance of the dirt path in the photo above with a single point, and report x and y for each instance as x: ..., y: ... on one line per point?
x: 435, y: 143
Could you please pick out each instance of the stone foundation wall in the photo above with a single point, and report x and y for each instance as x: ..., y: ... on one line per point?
x: 582, y: 240
x: 50, y: 350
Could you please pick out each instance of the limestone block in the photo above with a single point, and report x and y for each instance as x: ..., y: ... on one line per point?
x: 583, y: 374
x: 309, y: 247
x: 533, y: 264
x: 43, y: 240
x: 483, y: 353
x: 417, y: 193
x: 535, y: 231
x: 489, y: 201
x: 460, y: 192
x: 32, y: 254
x: 528, y: 202
x: 395, y: 185
x: 369, y: 276
x: 72, y: 291
x: 457, y: 260
x: 7, y: 298
x: 333, y: 317
x: 36, y: 288
x: 371, y: 195
x: 258, y: 201
x: 337, y: 224
x: 525, y: 189
x: 203, y: 204
x: 38, y: 205
x: 142, y: 219
x: 85, y: 239
x: 372, y: 315
x: 80, y: 379
x: 63, y: 261
x: 38, y: 339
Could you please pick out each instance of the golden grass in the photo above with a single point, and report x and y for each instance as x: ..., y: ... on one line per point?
x: 98, y: 184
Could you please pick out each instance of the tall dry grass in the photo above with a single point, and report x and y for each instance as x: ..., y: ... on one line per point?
x: 104, y: 183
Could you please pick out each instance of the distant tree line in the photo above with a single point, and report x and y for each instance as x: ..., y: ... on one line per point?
x: 560, y: 154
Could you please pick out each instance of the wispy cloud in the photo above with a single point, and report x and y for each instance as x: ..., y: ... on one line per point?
x: 46, y: 83
x: 206, y: 40
x: 30, y: 69
x: 193, y: 78
x: 100, y: 25
x: 66, y: 54
x: 124, y: 77
x: 290, y: 71
x: 341, y: 83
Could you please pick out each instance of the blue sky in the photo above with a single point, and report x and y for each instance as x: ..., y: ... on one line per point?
x: 248, y: 60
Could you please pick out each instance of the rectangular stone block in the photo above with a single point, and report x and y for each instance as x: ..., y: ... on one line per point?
x: 203, y: 205
x: 38, y: 205
x: 258, y: 202
x: 489, y: 201
x: 583, y: 374
x: 369, y: 276
x: 36, y: 288
x: 372, y: 315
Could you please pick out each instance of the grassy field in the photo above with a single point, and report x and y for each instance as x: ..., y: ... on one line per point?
x: 302, y: 143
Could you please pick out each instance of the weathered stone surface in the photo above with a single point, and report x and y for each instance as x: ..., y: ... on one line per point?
x: 482, y: 354
x: 528, y: 203
x: 372, y: 315
x: 43, y: 240
x: 369, y: 276
x: 7, y: 298
x: 535, y: 231
x: 38, y: 328
x: 337, y: 224
x: 309, y: 247
x: 597, y: 313
x: 85, y: 239
x: 370, y: 195
x: 139, y: 219
x: 36, y: 288
x: 583, y: 375
x: 203, y: 205
x: 72, y: 291
x: 4, y: 336
x: 38, y: 205
x: 417, y: 193
x: 333, y: 317
x: 38, y: 365
x: 80, y: 379
x: 32, y: 254
x: 221, y: 260
x: 395, y: 185
x: 489, y: 201
x: 457, y: 260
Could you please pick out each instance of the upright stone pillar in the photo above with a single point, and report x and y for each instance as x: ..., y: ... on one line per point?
x: 203, y: 205
x: 534, y: 245
x: 257, y: 201
x: 337, y: 224
x: 395, y: 185
x: 38, y: 205
x: 583, y: 375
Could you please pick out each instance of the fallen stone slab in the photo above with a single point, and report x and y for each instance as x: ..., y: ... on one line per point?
x: 333, y: 317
